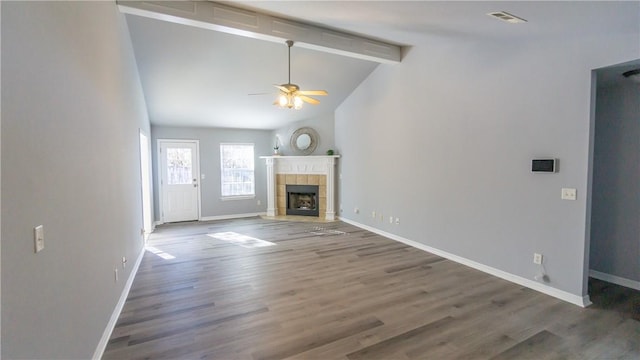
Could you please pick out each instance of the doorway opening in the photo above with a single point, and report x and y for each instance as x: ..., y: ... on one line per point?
x: 613, y: 242
x: 145, y: 177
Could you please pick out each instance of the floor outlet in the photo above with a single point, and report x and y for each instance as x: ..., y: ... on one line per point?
x: 537, y: 258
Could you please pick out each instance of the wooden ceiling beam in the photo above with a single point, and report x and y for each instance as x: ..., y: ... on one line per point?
x: 237, y: 21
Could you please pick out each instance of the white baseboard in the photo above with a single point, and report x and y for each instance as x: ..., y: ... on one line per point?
x: 102, y: 345
x: 615, y: 279
x: 234, y: 216
x: 220, y: 217
x: 582, y: 301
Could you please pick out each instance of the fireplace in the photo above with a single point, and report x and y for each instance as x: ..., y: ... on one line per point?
x: 302, y: 200
x: 301, y: 170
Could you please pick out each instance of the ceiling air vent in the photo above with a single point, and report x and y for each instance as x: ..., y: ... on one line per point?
x: 505, y: 16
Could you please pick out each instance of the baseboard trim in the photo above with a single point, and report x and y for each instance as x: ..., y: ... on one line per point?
x: 615, y: 279
x: 582, y: 301
x: 233, y: 216
x: 102, y: 345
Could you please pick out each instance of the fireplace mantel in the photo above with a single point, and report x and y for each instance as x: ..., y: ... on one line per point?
x: 301, y: 165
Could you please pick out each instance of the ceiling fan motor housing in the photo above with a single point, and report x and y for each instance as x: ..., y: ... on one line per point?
x: 291, y: 87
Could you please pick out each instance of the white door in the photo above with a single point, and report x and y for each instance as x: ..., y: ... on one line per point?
x: 179, y: 174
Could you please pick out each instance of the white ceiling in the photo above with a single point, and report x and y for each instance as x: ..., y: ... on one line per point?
x: 197, y: 77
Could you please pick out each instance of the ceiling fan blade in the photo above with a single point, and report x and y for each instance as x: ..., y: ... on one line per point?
x: 313, y: 92
x: 262, y: 93
x: 282, y: 88
x: 309, y: 100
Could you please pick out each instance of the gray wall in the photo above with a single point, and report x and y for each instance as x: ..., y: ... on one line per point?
x: 72, y: 109
x: 615, y: 224
x: 323, y: 125
x: 444, y: 141
x: 210, y: 139
x: 0, y: 183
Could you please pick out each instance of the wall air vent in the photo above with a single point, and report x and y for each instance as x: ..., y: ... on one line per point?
x: 505, y: 16
x: 633, y: 75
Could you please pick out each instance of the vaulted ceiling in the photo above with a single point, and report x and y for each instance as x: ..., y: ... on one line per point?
x: 199, y: 77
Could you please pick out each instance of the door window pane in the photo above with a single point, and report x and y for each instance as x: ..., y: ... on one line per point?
x: 179, y: 168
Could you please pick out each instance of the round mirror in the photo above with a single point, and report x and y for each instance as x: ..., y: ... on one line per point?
x: 304, y: 141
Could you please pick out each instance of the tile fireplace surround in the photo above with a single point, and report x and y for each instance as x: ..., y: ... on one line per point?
x: 301, y: 170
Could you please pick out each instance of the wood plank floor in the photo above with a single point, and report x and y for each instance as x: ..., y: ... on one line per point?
x: 334, y: 291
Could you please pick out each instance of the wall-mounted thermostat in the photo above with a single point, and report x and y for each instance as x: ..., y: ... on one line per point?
x: 544, y: 165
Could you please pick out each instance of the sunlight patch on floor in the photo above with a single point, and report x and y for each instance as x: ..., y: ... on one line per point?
x: 160, y: 253
x: 240, y: 239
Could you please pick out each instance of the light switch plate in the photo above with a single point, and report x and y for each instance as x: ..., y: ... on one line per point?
x: 38, y: 238
x: 568, y: 194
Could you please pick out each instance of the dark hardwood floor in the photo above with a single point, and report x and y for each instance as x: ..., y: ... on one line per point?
x: 334, y: 291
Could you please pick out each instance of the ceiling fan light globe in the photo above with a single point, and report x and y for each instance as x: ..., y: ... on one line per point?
x: 282, y: 100
x: 297, y: 102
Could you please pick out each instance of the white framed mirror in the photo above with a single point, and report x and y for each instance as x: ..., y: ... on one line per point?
x: 304, y: 141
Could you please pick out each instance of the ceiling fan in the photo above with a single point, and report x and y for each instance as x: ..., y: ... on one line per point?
x: 290, y: 94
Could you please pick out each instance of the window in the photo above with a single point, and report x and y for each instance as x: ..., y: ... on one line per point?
x: 237, y: 170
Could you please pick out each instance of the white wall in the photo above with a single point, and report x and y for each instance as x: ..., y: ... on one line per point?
x: 444, y: 141
x: 615, y: 224
x: 72, y: 109
x: 210, y: 188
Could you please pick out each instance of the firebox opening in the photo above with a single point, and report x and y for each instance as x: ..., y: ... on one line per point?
x: 302, y: 200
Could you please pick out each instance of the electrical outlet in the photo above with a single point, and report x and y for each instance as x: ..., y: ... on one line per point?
x: 115, y: 274
x: 124, y: 262
x: 38, y: 238
x: 568, y: 194
x: 397, y: 221
x: 259, y: 202
x: 390, y: 219
x: 373, y: 214
x: 356, y: 210
x: 537, y: 258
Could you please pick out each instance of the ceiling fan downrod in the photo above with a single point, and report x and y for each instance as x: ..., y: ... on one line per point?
x: 289, y: 45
